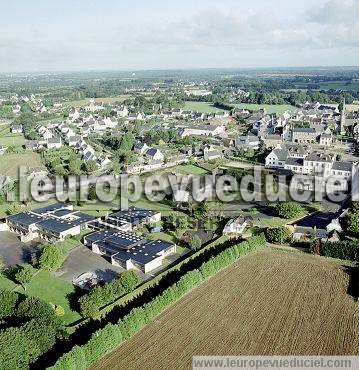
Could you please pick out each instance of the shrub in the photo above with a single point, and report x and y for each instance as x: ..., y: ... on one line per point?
x: 8, y: 302
x: 25, y: 274
x: 51, y: 258
x: 279, y: 235
x: 352, y: 222
x: 35, y: 308
x: 288, y: 210
x: 195, y: 242
x: 344, y: 250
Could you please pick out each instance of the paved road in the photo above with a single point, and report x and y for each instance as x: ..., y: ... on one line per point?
x: 13, y: 251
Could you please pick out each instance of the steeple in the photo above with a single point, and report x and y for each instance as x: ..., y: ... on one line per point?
x: 342, y: 119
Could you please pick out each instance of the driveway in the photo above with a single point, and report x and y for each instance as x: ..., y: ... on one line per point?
x: 82, y: 260
x: 13, y: 251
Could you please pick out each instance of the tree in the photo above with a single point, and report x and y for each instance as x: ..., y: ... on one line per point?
x: 352, y: 222
x: 279, y: 235
x: 24, y: 275
x: 8, y: 302
x: 35, y: 308
x: 89, y: 166
x: 14, y: 349
x: 288, y: 210
x: 51, y: 258
x: 75, y: 166
x: 129, y: 280
x: 127, y: 142
x: 195, y: 242
x: 178, y: 220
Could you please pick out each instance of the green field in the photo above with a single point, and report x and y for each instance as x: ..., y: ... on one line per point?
x: 97, y: 209
x: 49, y: 288
x: 8, y: 139
x: 52, y: 290
x: 83, y: 102
x: 281, y: 108
x: 147, y: 204
x: 188, y: 169
x: 5, y: 283
x: 335, y: 85
x: 9, y: 163
x: 201, y: 107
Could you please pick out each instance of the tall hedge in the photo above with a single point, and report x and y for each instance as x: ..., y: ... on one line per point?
x: 112, y: 335
x: 344, y: 250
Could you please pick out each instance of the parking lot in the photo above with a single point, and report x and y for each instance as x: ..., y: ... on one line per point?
x: 13, y: 251
x: 82, y: 260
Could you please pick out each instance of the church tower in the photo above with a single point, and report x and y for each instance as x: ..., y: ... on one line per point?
x: 342, y: 119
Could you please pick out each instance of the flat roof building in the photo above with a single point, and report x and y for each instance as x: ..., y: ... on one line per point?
x: 52, y: 222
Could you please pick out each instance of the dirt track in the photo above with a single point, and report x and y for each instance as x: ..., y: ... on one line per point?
x: 271, y: 302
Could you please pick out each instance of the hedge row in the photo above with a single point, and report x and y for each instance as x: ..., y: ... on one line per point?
x: 344, y: 250
x: 112, y: 335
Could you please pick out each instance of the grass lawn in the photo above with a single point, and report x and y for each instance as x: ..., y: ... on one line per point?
x: 165, y: 236
x: 9, y: 139
x: 201, y: 107
x: 187, y: 169
x: 52, y: 290
x: 147, y: 204
x: 95, y: 209
x: 336, y: 85
x: 281, y: 108
x: 9, y: 163
x: 6, y: 283
x: 83, y: 102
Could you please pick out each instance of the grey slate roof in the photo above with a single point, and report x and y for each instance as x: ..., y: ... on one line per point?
x: 342, y: 166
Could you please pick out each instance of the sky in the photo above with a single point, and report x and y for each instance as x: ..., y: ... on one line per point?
x: 83, y: 35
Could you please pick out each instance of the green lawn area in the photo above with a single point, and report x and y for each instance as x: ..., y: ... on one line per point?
x: 96, y: 209
x: 336, y: 85
x: 147, y: 204
x: 6, y: 283
x: 52, y: 290
x: 9, y: 139
x: 9, y: 163
x: 187, y: 169
x: 83, y: 102
x: 281, y: 108
x: 201, y: 107
x: 165, y: 236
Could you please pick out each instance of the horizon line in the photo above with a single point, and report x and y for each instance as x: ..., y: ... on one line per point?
x: 174, y: 69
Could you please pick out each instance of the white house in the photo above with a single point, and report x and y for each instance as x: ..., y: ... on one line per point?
x: 236, y: 226
x: 54, y: 143
x: 16, y: 129
x: 141, y: 148
x: 155, y: 154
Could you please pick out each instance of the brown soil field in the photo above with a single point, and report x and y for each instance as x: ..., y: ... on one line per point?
x: 272, y: 302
